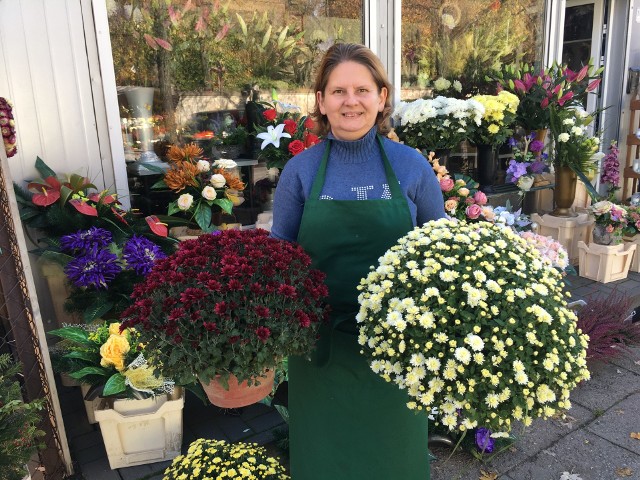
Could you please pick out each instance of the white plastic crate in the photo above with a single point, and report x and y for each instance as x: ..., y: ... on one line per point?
x: 635, y: 262
x: 605, y: 263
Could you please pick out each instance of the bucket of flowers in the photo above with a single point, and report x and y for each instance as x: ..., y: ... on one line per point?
x: 204, y: 190
x: 218, y: 459
x: 469, y: 319
x: 225, y: 309
x: 611, y: 222
x: 527, y: 163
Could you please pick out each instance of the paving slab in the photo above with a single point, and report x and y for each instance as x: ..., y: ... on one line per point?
x: 582, y: 453
x: 608, y: 385
x: 99, y: 470
x: 629, y: 360
x: 144, y: 471
x: 618, y: 423
x: 461, y: 466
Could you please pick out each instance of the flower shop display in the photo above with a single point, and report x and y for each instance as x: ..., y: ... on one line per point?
x: 19, y: 433
x: 610, y: 171
x: 573, y: 155
x: 229, y: 304
x: 525, y: 164
x: 99, y: 249
x: 440, y: 123
x: 284, y: 134
x: 110, y: 360
x: 204, y: 189
x: 471, y: 320
x: 549, y: 249
x: 218, y: 459
x: 7, y: 127
x: 610, y: 222
x: 231, y: 140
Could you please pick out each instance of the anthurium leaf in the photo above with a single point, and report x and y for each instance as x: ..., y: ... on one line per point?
x: 89, y: 371
x: 44, y: 169
x: 75, y: 334
x: 65, y: 193
x: 96, y: 311
x: 203, y: 216
x: 114, y: 385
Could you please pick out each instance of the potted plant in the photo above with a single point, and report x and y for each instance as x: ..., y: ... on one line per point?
x: 230, y: 141
x: 218, y: 459
x: 20, y: 436
x: 496, y: 341
x: 527, y: 162
x: 226, y: 308
x: 611, y: 222
x: 437, y: 124
x: 204, y: 189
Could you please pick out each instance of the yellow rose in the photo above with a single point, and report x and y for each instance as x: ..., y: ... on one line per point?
x: 464, y: 192
x: 114, y: 329
x: 113, y: 351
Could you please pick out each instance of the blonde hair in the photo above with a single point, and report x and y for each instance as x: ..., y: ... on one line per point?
x: 352, y: 52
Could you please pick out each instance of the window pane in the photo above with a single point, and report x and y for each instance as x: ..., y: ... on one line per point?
x: 184, y: 69
x: 465, y: 39
x: 578, y: 30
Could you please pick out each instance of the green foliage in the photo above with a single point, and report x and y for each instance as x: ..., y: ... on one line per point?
x: 19, y: 433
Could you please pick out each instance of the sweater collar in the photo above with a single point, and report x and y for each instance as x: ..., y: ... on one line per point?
x: 354, y: 151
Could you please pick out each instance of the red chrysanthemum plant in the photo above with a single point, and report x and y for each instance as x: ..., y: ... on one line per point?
x: 234, y: 302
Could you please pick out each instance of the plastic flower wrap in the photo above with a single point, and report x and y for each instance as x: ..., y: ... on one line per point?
x: 202, y: 186
x: 611, y: 216
x: 209, y: 459
x: 470, y: 319
x: 439, y: 123
x: 524, y: 165
x: 497, y: 118
x: 284, y: 134
x: 111, y: 360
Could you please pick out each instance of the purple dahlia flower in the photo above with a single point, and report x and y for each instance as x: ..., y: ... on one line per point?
x: 140, y: 253
x: 84, y: 241
x: 94, y: 269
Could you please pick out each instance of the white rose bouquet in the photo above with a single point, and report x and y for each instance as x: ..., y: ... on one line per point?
x: 438, y: 123
x: 469, y: 319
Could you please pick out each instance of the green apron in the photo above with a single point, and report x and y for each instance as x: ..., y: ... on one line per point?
x: 346, y: 423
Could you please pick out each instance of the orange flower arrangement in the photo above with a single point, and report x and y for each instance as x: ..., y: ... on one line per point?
x: 202, y: 186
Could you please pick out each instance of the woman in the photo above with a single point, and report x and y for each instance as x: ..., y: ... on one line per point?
x: 346, y: 201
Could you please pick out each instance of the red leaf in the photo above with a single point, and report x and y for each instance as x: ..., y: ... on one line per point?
x: 84, y: 207
x: 157, y: 226
x: 223, y: 32
x: 106, y: 199
x: 46, y: 198
x: 164, y: 44
x: 173, y: 15
x: 150, y: 41
x: 119, y: 215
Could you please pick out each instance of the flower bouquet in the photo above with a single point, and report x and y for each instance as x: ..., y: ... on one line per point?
x: 525, y: 165
x: 573, y: 146
x: 550, y: 250
x: 284, y: 134
x: 462, y: 199
x: 611, y: 222
x: 228, y: 304
x: 203, y: 187
x: 497, y: 117
x: 469, y: 318
x: 208, y: 459
x: 19, y: 433
x: 434, y: 124
x: 558, y: 85
x: 110, y: 360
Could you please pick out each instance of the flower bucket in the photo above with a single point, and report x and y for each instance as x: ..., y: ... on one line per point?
x: 635, y: 262
x: 605, y: 263
x: 239, y: 395
x: 90, y: 405
x: 59, y: 290
x: 137, y: 432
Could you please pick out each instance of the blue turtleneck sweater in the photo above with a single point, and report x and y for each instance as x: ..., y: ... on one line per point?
x: 355, y: 171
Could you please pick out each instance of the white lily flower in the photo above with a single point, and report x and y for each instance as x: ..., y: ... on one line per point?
x: 272, y: 135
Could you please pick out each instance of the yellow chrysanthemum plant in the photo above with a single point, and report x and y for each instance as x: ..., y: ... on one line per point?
x: 470, y: 320
x: 498, y: 117
x: 217, y: 459
x: 109, y: 359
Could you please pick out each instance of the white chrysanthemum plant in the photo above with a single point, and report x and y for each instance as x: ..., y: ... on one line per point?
x: 471, y: 320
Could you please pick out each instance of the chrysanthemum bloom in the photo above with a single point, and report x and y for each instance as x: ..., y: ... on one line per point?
x: 181, y: 175
x: 233, y: 181
x: 140, y: 253
x: 95, y: 269
x: 86, y: 240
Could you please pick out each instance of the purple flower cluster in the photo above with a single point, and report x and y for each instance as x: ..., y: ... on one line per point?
x: 140, y: 254
x: 84, y: 241
x: 484, y: 442
x: 611, y: 168
x: 96, y: 268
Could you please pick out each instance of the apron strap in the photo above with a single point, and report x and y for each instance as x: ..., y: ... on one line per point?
x: 318, y: 182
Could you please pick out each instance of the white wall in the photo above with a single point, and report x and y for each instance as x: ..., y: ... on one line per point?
x: 44, y: 71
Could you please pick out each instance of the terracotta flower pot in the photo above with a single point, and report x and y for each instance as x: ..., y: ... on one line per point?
x: 239, y: 395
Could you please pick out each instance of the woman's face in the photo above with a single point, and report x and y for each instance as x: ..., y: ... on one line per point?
x: 351, y: 101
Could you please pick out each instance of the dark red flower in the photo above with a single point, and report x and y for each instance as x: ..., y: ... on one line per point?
x: 270, y: 114
x: 290, y: 126
x: 263, y: 333
x: 309, y: 123
x: 262, y: 311
x: 310, y: 140
x: 296, y: 147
